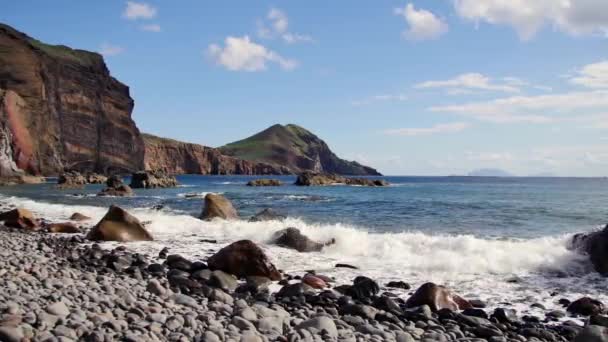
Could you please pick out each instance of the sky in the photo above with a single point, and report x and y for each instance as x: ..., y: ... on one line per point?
x: 433, y: 87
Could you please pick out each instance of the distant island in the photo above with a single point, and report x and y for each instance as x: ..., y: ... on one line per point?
x: 490, y: 173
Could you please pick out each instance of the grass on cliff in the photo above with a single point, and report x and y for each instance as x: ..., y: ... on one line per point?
x: 64, y: 52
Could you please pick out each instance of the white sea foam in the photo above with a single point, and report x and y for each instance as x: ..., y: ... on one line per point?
x: 196, y: 194
x: 476, y: 267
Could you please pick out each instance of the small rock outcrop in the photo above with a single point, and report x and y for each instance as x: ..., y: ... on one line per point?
x: 437, y: 297
x: 151, y: 180
x: 20, y: 218
x: 595, y: 244
x: 267, y: 214
x: 320, y: 179
x: 218, y: 206
x: 116, y: 187
x: 294, y: 239
x: 71, y: 180
x: 243, y: 259
x: 119, y: 225
x: 265, y: 182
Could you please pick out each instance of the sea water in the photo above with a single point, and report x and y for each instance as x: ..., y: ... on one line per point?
x: 501, y: 240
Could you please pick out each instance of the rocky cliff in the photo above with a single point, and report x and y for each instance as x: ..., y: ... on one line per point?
x: 60, y: 108
x: 176, y: 157
x: 295, y: 148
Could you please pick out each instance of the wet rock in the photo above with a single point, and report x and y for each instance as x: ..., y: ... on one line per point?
x: 71, y: 180
x: 293, y: 238
x: 314, y: 281
x: 592, y: 333
x: 218, y: 206
x: 20, y: 218
x: 346, y: 266
x: 399, y: 285
x: 242, y: 259
x: 151, y: 180
x: 294, y: 290
x: 586, y: 307
x: 79, y: 217
x: 65, y: 228
x: 594, y: 244
x: 265, y: 182
x: 267, y: 215
x: 118, y: 225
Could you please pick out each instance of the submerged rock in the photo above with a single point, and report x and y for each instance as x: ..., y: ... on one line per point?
x: 151, y: 179
x: 20, y: 218
x: 437, y: 297
x: 119, y: 225
x: 242, y: 259
x: 218, y: 206
x: 267, y: 215
x: 265, y: 182
x: 293, y: 238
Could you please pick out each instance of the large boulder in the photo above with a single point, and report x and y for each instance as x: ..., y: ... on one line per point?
x: 437, y: 297
x: 71, y: 180
x: 594, y: 244
x: 294, y: 239
x: 119, y: 225
x: 243, y: 259
x: 20, y: 218
x: 267, y: 215
x: 586, y: 306
x: 265, y: 182
x: 218, y: 206
x: 151, y: 180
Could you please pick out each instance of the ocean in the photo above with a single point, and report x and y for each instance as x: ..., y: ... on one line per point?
x: 501, y: 240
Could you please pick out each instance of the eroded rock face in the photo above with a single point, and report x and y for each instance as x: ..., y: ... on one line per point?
x: 437, y: 297
x: 293, y: 238
x: 119, y: 225
x: 60, y: 108
x: 594, y: 244
x: 20, y: 218
x: 176, y: 157
x: 151, y: 180
x: 218, y: 206
x: 243, y: 259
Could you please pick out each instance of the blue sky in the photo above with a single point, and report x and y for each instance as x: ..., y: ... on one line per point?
x: 431, y: 87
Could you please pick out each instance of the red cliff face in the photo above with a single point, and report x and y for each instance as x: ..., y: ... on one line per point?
x: 60, y: 108
x: 176, y: 157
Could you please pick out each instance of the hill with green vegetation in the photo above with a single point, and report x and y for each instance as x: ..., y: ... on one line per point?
x: 295, y: 148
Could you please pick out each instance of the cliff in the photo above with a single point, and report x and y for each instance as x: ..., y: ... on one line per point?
x: 176, y: 157
x: 60, y: 108
x: 295, y: 148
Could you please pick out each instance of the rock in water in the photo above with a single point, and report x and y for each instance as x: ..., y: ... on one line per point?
x: 218, y: 206
x: 243, y: 258
x: 65, y: 227
x: 71, y: 180
x: 437, y: 297
x: 150, y: 180
x: 118, y: 225
x: 317, y: 179
x: 586, y: 307
x: 116, y: 187
x: 20, y: 218
x: 596, y: 245
x: 293, y: 238
x: 267, y: 215
x: 265, y: 182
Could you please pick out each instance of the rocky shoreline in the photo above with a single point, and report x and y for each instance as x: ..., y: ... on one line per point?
x: 64, y: 288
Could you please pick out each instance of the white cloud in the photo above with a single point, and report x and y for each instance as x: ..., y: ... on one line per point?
x: 422, y: 24
x: 592, y: 75
x: 464, y: 83
x: 277, y: 26
x: 437, y: 129
x: 110, y: 50
x: 531, y: 109
x: 527, y: 17
x: 151, y: 28
x: 380, y: 98
x: 241, y: 54
x: 139, y: 10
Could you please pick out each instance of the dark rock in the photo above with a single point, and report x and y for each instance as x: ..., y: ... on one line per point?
x: 586, y: 307
x: 594, y: 244
x: 399, y: 285
x: 243, y: 258
x: 505, y: 315
x: 317, y: 179
x: 593, y: 333
x: 294, y: 290
x: 179, y: 262
x: 475, y: 313
x: 79, y: 217
x: 267, y: 215
x: 437, y: 297
x: 599, y: 320
x: 20, y: 218
x: 265, y: 182
x: 152, y: 179
x: 293, y: 238
x: 346, y: 266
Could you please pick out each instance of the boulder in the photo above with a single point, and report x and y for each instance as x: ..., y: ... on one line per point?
x: 294, y: 239
x: 151, y: 179
x: 118, y: 225
x: 79, y: 217
x: 314, y: 281
x: 20, y: 218
x: 437, y: 297
x: 95, y: 178
x: 119, y: 191
x: 594, y: 244
x: 218, y: 206
x: 265, y: 182
x: 65, y: 227
x: 71, y: 180
x: 586, y: 306
x: 243, y: 259
x: 267, y: 215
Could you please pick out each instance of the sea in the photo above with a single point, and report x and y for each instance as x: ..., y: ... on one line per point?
x: 501, y: 240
